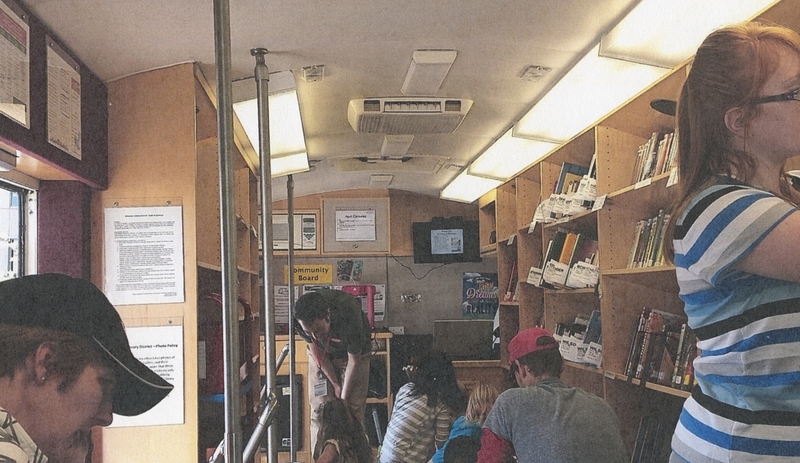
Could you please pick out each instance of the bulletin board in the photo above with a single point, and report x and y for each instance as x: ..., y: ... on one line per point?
x: 355, y: 225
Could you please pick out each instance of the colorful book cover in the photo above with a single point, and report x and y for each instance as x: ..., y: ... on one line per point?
x: 479, y: 295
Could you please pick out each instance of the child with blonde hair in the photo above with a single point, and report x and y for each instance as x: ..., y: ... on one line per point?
x: 480, y: 403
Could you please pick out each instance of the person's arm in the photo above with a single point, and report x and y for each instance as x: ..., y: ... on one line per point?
x: 443, y: 426
x: 776, y: 255
x: 356, y: 363
x: 329, y: 453
x: 494, y: 449
x: 324, y: 363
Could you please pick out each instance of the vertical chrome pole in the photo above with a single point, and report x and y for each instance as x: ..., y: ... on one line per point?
x: 268, y: 296
x: 230, y: 318
x: 293, y: 402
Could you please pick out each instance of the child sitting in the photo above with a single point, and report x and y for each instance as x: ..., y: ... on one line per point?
x: 480, y: 402
x: 341, y: 436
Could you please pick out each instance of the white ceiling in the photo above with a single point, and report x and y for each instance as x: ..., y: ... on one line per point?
x: 366, y: 47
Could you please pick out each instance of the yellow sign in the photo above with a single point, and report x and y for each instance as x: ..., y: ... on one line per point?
x: 309, y: 274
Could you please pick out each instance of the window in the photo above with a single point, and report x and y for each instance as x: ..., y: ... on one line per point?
x: 17, y: 229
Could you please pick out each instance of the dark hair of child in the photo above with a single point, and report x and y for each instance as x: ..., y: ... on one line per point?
x: 435, y: 378
x: 339, y: 424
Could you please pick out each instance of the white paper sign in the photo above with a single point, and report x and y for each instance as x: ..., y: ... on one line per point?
x: 355, y: 226
x: 144, y: 255
x: 15, y: 80
x: 161, y: 349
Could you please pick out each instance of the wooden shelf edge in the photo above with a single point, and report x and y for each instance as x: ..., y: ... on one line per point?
x: 637, y: 271
x: 656, y: 387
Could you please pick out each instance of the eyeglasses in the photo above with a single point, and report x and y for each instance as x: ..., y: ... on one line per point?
x: 788, y: 96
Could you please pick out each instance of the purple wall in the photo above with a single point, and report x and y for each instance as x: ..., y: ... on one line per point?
x: 64, y: 228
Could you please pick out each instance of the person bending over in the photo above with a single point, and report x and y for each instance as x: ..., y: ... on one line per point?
x: 339, y: 342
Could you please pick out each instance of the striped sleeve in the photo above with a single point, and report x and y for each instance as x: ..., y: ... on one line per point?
x: 720, y: 226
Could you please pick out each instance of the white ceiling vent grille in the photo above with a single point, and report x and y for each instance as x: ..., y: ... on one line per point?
x: 407, y: 115
x: 420, y: 164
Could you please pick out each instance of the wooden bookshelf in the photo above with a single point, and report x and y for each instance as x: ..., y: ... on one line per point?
x: 614, y: 142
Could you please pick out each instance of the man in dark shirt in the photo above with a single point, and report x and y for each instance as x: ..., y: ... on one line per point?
x: 339, y: 344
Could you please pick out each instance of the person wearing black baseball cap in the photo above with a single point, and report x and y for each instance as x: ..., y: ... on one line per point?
x: 65, y: 367
x: 544, y: 420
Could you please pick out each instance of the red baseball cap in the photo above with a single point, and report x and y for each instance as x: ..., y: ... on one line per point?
x: 530, y: 340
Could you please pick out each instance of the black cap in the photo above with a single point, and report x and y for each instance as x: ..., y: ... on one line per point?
x: 61, y: 302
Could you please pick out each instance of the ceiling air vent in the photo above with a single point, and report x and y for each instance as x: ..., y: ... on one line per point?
x: 407, y: 115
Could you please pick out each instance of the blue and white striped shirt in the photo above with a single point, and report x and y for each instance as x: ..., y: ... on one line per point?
x: 747, y: 403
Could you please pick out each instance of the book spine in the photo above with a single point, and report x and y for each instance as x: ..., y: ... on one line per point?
x: 637, y: 236
x: 675, y: 379
x: 643, y: 244
x: 636, y: 344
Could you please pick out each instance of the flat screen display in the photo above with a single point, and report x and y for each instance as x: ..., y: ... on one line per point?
x: 446, y: 241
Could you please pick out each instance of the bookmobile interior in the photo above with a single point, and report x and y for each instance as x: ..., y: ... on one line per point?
x: 484, y: 166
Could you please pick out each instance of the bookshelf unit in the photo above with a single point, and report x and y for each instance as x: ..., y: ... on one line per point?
x: 622, y: 292
x: 163, y: 150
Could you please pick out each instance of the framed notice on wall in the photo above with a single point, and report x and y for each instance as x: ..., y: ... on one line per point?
x: 355, y: 225
x: 63, y: 100
x: 15, y: 60
x: 144, y: 255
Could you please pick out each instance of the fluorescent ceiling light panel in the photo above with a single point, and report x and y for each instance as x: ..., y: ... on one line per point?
x: 286, y: 136
x: 509, y: 156
x: 667, y: 32
x: 590, y: 90
x: 467, y: 188
x: 288, y: 164
x: 427, y: 71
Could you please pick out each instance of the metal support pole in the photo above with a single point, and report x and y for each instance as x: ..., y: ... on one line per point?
x: 230, y: 318
x: 268, y: 403
x: 261, y: 73
x: 293, y: 402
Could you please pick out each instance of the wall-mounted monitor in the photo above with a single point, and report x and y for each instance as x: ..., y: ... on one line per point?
x: 446, y: 241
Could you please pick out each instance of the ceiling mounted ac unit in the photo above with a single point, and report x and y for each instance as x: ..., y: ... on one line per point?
x: 413, y: 115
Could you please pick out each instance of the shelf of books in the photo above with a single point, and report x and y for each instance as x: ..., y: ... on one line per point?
x: 578, y: 239
x: 614, y: 305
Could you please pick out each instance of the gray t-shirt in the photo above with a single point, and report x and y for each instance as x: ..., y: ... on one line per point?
x: 554, y: 423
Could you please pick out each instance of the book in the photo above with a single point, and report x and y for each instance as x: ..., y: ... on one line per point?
x: 656, y: 240
x: 643, y: 243
x: 635, y: 348
x: 554, y: 274
x: 585, y: 250
x: 593, y: 166
x: 676, y: 369
x: 573, y: 171
x: 654, y: 326
x: 650, y: 439
x: 594, y: 330
x: 637, y: 236
x: 568, y: 248
x: 511, y: 288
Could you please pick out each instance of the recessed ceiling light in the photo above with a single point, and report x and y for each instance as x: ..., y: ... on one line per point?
x: 314, y: 73
x: 534, y: 73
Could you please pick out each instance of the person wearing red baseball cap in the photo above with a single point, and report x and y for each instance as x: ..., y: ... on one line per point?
x: 65, y: 367
x: 544, y: 420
